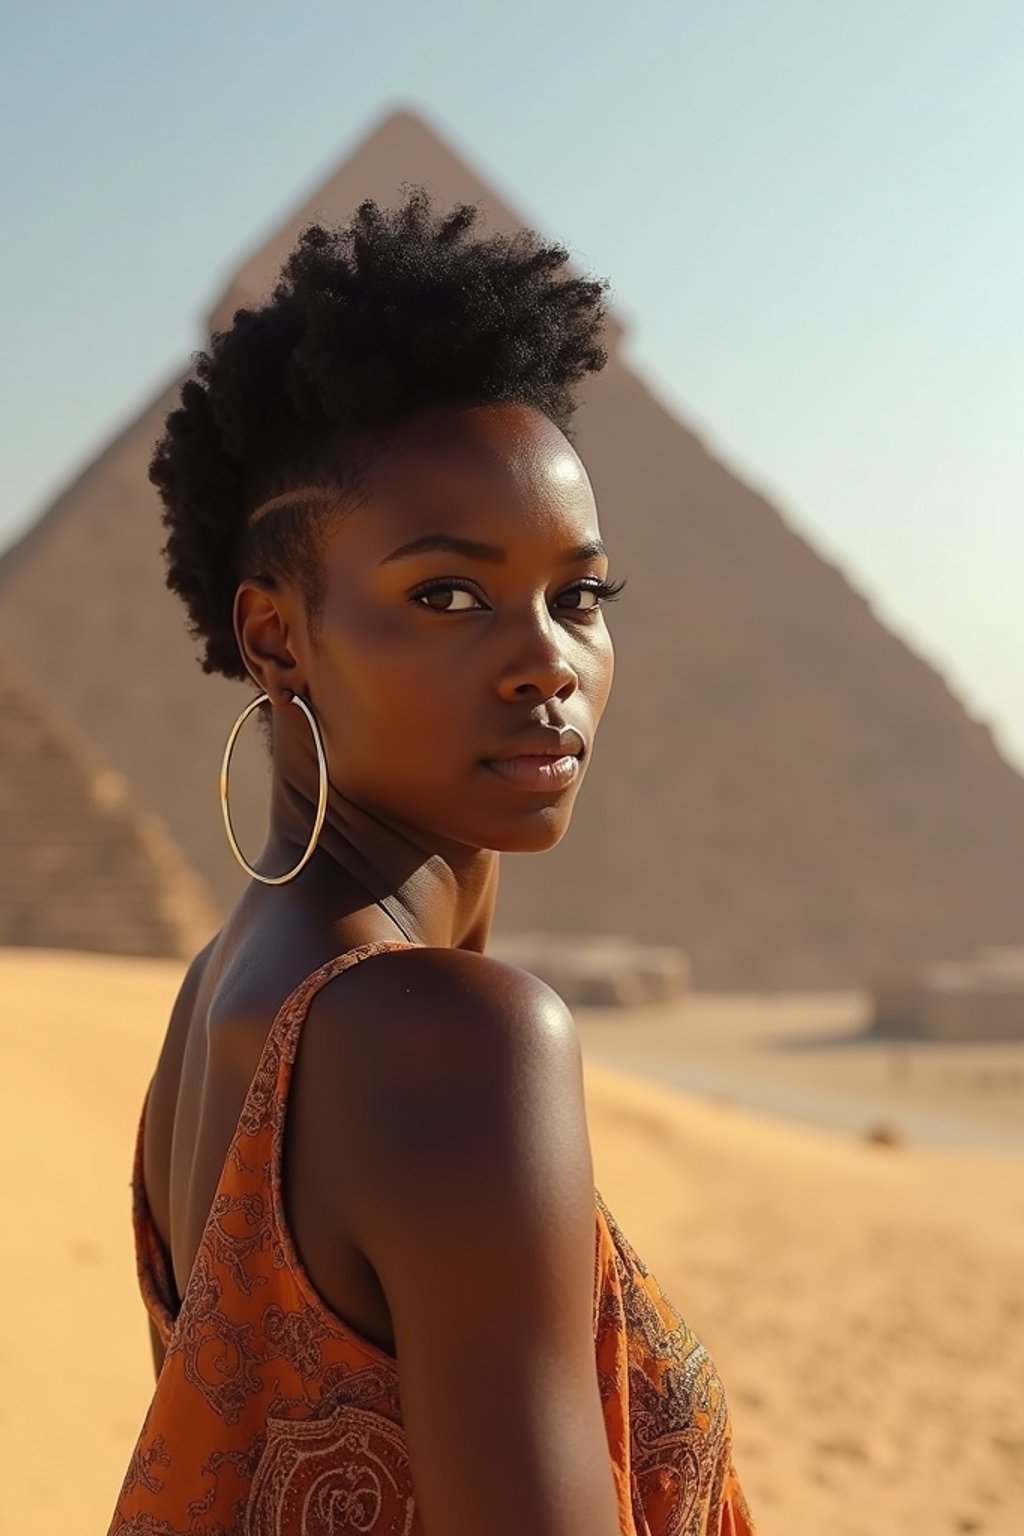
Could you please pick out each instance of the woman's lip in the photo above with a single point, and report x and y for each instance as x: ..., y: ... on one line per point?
x: 536, y: 771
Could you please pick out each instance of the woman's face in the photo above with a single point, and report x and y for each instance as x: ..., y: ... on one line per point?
x: 459, y: 624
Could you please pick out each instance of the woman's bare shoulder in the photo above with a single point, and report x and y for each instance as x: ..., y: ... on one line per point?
x: 412, y: 1043
x: 384, y: 1009
x: 182, y: 1011
x: 445, y: 974
x: 162, y: 1102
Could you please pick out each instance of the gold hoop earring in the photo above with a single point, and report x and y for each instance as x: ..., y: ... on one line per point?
x: 321, y: 804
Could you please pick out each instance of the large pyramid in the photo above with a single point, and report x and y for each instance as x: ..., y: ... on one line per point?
x: 781, y: 787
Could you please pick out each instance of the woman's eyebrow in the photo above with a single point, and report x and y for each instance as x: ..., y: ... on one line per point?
x: 451, y: 544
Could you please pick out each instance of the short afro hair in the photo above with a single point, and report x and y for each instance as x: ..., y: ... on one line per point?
x: 367, y: 322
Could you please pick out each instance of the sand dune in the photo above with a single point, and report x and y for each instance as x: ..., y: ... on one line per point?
x: 865, y: 1305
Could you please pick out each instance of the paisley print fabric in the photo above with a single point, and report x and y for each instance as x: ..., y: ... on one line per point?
x: 273, y: 1417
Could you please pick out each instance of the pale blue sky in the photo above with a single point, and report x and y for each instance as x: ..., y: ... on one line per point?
x: 812, y: 215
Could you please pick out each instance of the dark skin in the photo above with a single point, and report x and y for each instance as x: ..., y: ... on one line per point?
x: 438, y: 1176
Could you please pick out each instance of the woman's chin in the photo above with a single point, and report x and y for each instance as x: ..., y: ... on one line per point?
x: 535, y: 833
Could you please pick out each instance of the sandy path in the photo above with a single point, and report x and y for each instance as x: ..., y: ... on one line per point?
x: 808, y: 1058
x: 865, y: 1306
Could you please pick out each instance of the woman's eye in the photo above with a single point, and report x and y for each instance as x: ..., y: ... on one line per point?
x: 580, y: 593
x: 448, y: 599
x: 596, y: 593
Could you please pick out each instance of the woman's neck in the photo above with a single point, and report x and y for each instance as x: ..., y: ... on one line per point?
x: 439, y: 893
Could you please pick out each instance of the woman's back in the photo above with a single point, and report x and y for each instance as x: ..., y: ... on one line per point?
x: 216, y: 1035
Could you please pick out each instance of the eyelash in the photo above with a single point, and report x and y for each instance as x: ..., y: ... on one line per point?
x: 605, y: 592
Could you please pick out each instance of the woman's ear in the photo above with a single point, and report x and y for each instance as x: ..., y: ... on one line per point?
x: 261, y: 619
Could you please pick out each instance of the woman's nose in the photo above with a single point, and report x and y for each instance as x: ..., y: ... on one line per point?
x: 539, y: 664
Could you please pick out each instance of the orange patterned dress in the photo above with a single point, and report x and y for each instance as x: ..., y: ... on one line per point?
x: 272, y: 1417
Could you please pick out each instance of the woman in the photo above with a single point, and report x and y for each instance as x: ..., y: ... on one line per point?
x: 401, y: 1307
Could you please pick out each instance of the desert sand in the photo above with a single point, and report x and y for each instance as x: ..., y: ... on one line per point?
x: 864, y: 1303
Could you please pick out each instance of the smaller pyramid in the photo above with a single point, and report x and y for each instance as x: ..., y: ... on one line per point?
x: 80, y: 866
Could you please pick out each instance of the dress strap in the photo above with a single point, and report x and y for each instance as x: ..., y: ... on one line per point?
x: 269, y: 1130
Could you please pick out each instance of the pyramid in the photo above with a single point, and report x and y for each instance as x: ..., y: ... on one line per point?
x: 780, y: 786
x: 81, y: 867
